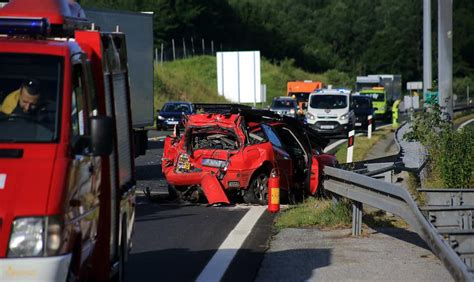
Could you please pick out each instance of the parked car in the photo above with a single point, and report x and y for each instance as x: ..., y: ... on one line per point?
x: 172, y: 114
x: 285, y: 106
x: 363, y: 107
x: 223, y: 155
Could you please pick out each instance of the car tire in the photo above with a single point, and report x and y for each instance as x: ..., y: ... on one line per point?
x: 257, y: 191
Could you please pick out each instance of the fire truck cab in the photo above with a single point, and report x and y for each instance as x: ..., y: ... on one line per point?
x: 67, y: 183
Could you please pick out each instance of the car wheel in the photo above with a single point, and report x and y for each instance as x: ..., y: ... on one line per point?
x: 257, y: 192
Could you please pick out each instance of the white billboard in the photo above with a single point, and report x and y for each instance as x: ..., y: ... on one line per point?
x: 238, y: 76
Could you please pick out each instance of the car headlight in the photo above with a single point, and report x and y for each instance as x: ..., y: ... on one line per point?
x: 344, y: 116
x: 214, y: 163
x: 310, y: 116
x: 35, y: 236
x: 161, y: 118
x: 27, y: 238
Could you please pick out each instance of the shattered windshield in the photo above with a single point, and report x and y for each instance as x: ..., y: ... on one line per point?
x: 214, y: 138
x: 30, y: 87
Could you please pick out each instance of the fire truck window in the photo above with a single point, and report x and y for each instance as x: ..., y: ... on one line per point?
x: 91, y: 94
x: 78, y: 106
x: 37, y: 81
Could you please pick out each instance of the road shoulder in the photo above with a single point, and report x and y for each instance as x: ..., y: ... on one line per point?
x: 379, y: 255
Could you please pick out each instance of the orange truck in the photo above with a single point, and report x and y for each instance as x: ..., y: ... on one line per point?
x: 300, y: 90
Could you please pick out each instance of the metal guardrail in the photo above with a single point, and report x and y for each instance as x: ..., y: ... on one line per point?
x: 460, y: 108
x: 391, y: 198
x: 451, y: 211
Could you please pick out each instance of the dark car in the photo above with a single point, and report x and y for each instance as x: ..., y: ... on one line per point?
x: 362, y: 107
x: 172, y: 114
x: 285, y: 106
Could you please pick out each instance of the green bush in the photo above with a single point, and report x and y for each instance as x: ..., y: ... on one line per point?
x: 456, y: 157
x: 451, y: 152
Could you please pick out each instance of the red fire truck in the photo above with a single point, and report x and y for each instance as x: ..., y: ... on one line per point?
x: 67, y: 183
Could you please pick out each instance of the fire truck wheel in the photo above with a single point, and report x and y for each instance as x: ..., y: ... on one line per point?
x: 257, y: 192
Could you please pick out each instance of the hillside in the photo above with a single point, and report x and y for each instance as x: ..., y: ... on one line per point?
x: 357, y: 37
x: 195, y: 79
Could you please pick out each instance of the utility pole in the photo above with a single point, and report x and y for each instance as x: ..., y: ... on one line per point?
x: 427, y: 68
x: 184, y: 48
x: 445, y: 57
x: 174, y: 52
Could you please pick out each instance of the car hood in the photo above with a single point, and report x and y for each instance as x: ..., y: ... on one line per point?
x: 171, y: 114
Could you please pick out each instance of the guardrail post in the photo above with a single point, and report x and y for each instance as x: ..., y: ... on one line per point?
x: 356, y: 218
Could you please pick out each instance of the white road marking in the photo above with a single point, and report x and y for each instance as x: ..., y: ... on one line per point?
x: 465, y: 123
x: 221, y: 260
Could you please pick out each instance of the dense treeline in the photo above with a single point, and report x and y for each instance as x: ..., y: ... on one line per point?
x: 357, y: 37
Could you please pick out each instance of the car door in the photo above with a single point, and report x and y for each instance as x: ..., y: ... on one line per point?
x: 282, y: 158
x: 293, y: 144
x: 83, y: 193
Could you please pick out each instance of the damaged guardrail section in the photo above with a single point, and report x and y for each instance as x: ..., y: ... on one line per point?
x: 394, y: 199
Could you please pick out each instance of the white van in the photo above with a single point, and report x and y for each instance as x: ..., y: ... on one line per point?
x: 329, y: 111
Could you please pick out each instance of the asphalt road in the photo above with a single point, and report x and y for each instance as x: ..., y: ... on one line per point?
x: 175, y: 241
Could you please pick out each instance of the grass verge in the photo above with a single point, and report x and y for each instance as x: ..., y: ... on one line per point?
x: 362, y: 145
x: 195, y: 79
x: 316, y: 213
x: 323, y: 214
x: 458, y: 121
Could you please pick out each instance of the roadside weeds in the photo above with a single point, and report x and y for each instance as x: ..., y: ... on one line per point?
x: 324, y: 214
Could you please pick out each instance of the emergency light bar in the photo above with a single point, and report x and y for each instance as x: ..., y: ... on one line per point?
x: 24, y: 26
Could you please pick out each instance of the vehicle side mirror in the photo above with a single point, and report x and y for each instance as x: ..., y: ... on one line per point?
x: 102, y: 133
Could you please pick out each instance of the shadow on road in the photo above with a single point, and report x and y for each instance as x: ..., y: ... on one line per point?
x: 403, y: 235
x: 167, y: 265
x: 149, y: 172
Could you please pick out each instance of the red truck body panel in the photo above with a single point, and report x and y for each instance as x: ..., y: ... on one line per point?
x: 48, y: 178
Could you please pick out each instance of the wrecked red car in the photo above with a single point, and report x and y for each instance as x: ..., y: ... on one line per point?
x: 230, y: 156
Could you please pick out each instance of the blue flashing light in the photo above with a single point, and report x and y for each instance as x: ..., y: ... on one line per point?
x: 24, y: 26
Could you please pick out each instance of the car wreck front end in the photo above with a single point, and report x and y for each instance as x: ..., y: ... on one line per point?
x: 211, y: 156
